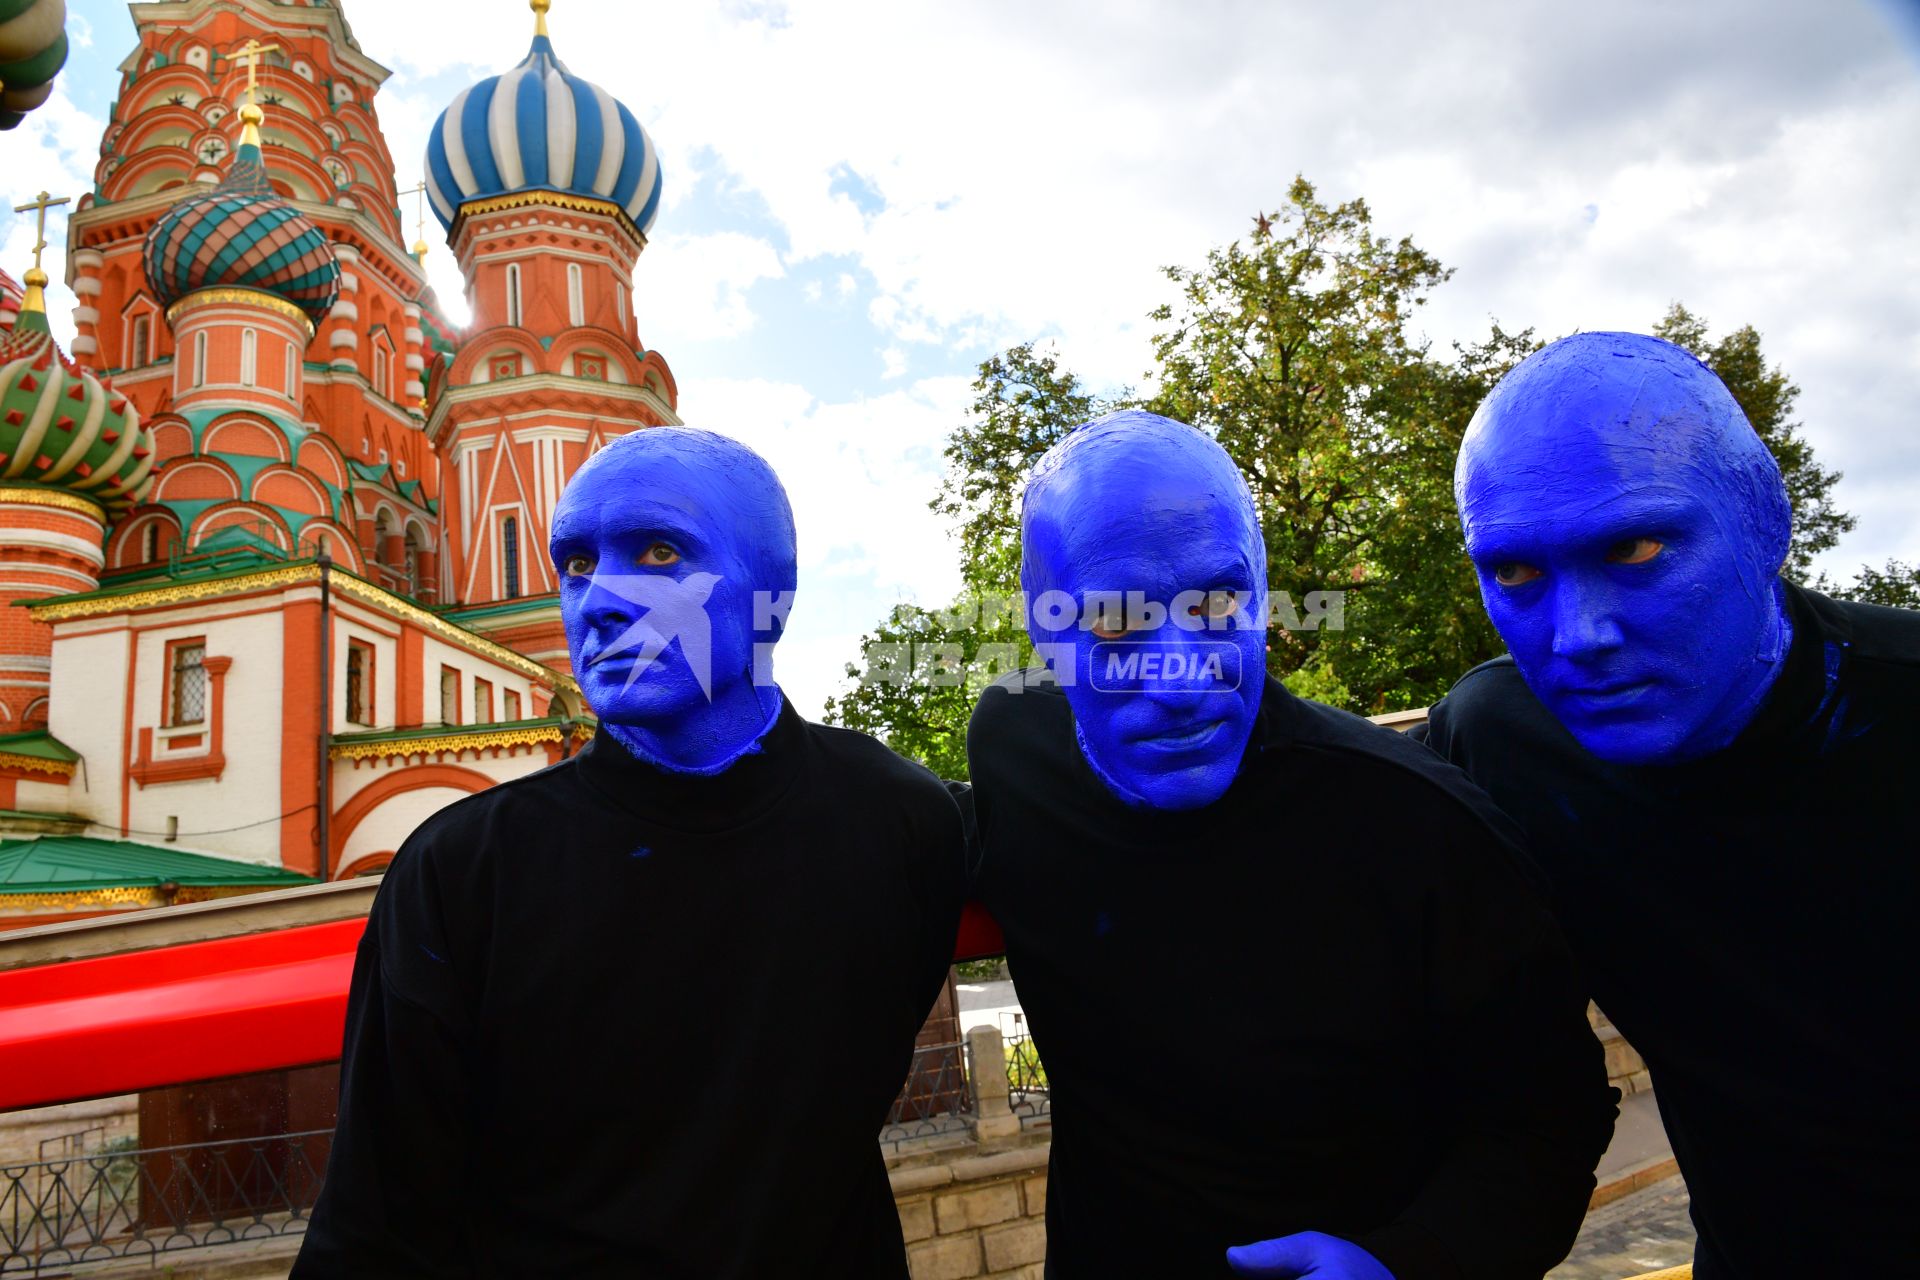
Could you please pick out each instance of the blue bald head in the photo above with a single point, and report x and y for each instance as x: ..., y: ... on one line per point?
x: 1628, y: 527
x: 1145, y: 573
x: 675, y: 553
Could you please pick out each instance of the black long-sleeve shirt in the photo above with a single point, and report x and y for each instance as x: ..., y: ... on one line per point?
x: 1748, y: 922
x: 609, y: 1021
x: 1329, y: 1001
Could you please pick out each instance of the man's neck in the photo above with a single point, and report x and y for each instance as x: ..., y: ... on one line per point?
x: 709, y: 742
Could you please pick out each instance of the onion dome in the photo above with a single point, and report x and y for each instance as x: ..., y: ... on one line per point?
x: 33, y: 48
x: 242, y: 235
x: 59, y: 425
x: 539, y: 127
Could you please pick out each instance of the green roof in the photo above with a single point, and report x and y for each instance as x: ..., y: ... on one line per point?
x: 63, y: 864
x: 38, y: 743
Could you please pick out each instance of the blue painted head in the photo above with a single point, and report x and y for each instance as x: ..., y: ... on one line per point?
x: 1146, y: 582
x: 675, y: 553
x: 1628, y: 528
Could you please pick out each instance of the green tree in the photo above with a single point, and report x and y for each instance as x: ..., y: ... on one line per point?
x: 920, y: 670
x: 1294, y: 350
x: 1767, y: 396
x: 1896, y: 586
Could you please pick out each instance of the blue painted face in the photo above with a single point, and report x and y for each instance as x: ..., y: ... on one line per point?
x: 1146, y: 583
x: 675, y: 553
x: 1628, y: 529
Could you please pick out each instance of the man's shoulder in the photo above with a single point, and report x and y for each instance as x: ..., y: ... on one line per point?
x: 1394, y: 759
x: 1018, y: 698
x: 860, y: 760
x: 1872, y: 632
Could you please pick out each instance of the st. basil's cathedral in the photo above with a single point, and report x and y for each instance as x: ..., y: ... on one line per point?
x: 273, y: 582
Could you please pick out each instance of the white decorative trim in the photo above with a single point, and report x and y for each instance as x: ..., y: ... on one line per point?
x: 415, y: 390
x: 416, y: 363
x: 344, y: 310
x: 414, y: 336
x: 346, y: 253
x: 349, y: 282
x: 18, y: 536
x: 343, y: 338
x: 87, y: 286
x: 87, y: 260
x: 83, y: 345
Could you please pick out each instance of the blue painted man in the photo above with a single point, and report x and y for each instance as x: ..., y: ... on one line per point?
x: 1715, y: 769
x: 645, y: 1012
x: 1301, y: 1012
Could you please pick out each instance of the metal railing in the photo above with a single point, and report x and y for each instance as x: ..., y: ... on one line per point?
x: 938, y: 1097
x: 1027, y: 1091
x: 115, y: 1204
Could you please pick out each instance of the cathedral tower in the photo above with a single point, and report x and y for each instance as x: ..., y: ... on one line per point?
x: 547, y: 187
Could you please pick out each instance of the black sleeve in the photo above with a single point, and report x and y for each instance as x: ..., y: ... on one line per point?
x: 963, y: 795
x: 942, y: 890
x: 395, y: 1199
x: 1519, y: 1066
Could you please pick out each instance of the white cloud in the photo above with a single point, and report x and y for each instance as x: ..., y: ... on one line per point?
x: 859, y: 474
x: 697, y: 285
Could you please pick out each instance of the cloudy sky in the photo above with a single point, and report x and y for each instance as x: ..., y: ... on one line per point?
x: 865, y: 200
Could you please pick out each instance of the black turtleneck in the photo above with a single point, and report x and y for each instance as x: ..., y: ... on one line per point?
x: 1330, y: 1001
x: 1747, y: 921
x: 610, y: 1021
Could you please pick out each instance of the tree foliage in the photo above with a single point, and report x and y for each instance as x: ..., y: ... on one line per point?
x: 921, y: 669
x: 1293, y: 348
x: 1897, y: 586
x: 1767, y: 397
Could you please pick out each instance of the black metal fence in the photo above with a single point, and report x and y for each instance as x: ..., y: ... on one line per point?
x: 131, y: 1203
x: 1027, y: 1090
x: 937, y: 1099
x: 114, y: 1204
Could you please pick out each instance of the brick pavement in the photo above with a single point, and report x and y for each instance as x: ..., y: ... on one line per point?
x: 1646, y: 1231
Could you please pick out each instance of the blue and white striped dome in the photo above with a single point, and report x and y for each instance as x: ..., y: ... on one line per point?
x: 539, y: 127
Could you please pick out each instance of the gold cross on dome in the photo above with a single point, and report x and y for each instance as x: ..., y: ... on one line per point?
x: 40, y: 203
x: 250, y: 54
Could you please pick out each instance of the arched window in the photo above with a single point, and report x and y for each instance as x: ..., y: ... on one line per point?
x: 140, y: 349
x: 293, y: 371
x: 510, y: 558
x: 513, y: 293
x: 620, y: 304
x: 150, y: 542
x: 380, y: 385
x: 576, y: 295
x: 413, y: 561
x: 200, y: 359
x: 249, y: 351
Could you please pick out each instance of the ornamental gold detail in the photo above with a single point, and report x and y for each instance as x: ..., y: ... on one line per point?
x: 28, y: 496
x: 474, y: 740
x: 249, y: 297
x: 36, y: 764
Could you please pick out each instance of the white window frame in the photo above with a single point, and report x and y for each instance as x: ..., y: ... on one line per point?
x: 200, y: 359
x: 249, y: 357
x: 293, y: 368
x: 513, y: 294
x: 576, y: 295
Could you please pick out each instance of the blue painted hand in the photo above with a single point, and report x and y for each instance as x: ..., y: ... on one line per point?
x: 1307, y: 1253
x: 674, y: 550
x: 1146, y: 581
x: 1628, y: 529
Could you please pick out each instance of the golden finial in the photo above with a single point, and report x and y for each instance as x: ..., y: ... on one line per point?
x: 419, y: 193
x: 251, y: 115
x: 540, y: 8
x: 35, y: 298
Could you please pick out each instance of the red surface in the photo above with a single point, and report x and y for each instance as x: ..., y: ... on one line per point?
x: 92, y: 1028
x: 979, y: 935
x: 117, y: 1024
